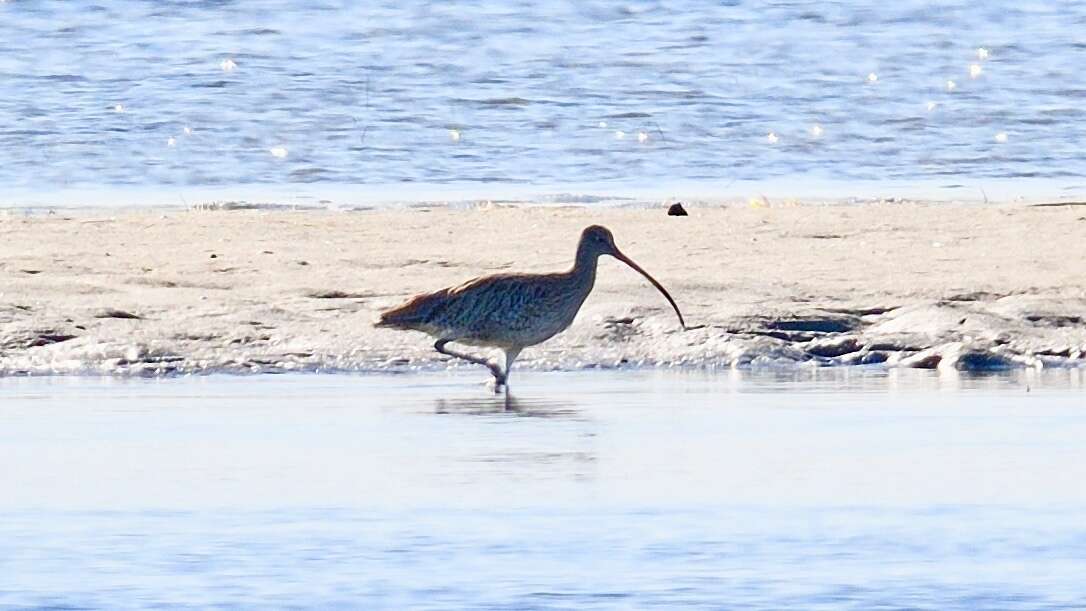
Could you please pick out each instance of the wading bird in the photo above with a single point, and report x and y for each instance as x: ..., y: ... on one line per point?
x: 511, y: 311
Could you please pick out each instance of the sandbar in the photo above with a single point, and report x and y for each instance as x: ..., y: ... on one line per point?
x: 893, y: 284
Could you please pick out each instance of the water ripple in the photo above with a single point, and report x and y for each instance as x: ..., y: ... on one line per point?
x: 531, y: 88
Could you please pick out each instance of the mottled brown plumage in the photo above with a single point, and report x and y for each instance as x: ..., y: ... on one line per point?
x: 511, y: 311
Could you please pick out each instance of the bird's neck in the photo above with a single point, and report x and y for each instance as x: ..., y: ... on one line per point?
x: 584, y: 267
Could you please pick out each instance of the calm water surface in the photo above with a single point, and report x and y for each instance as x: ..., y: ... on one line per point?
x: 625, y: 94
x: 816, y: 490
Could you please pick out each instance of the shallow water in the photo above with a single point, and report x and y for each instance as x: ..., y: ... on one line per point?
x: 816, y: 489
x: 390, y: 93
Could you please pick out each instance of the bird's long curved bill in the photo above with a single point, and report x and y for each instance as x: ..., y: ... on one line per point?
x: 621, y: 257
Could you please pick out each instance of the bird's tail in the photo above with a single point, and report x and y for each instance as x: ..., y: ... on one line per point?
x: 410, y: 315
x: 389, y: 319
x: 383, y: 320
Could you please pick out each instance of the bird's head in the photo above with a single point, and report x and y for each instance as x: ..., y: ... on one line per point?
x: 597, y: 240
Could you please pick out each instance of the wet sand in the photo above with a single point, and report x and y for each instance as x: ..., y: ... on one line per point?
x: 899, y: 284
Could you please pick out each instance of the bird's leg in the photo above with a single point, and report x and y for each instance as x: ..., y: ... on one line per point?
x: 510, y: 356
x: 499, y: 377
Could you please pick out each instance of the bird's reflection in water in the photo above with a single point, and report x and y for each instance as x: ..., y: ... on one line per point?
x: 564, y: 452
x: 507, y: 404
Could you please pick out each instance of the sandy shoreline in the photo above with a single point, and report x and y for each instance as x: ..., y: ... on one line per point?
x: 930, y: 285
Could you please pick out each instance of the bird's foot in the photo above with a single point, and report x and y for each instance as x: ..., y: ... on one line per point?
x: 499, y: 377
x: 497, y: 385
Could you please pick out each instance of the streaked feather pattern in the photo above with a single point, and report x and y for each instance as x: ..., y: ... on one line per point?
x: 498, y: 310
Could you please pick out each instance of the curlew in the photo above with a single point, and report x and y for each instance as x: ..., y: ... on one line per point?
x: 511, y: 311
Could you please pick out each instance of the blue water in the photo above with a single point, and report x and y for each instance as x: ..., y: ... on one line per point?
x: 392, y: 93
x: 798, y: 489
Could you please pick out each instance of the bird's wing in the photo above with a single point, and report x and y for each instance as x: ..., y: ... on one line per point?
x: 500, y: 301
